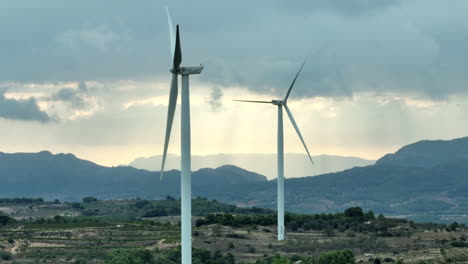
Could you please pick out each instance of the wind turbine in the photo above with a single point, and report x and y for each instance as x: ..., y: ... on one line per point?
x: 185, y: 181
x: 280, y: 180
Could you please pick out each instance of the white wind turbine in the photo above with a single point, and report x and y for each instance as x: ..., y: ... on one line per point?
x: 280, y: 179
x: 185, y: 186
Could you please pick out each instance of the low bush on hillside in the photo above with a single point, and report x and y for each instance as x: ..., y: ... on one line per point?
x: 8, y: 201
x: 352, y: 219
x: 5, y: 220
x: 172, y: 256
x: 332, y: 257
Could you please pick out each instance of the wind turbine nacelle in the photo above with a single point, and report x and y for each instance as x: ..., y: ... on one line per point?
x: 277, y: 102
x: 190, y: 70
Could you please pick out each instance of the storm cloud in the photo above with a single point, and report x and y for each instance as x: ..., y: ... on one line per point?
x: 75, y: 97
x: 215, y: 99
x: 26, y: 110
x: 384, y: 46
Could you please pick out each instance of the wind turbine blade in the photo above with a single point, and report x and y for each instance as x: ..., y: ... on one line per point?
x: 298, y: 132
x: 294, y: 81
x: 252, y: 101
x: 171, y: 32
x: 178, y: 51
x: 170, y: 117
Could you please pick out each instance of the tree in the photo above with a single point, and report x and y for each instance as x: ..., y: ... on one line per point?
x: 453, y: 226
x: 77, y: 206
x: 89, y: 199
x: 130, y: 256
x: 4, y: 220
x: 336, y: 257
x: 369, y: 216
x: 354, y: 212
x: 231, y: 245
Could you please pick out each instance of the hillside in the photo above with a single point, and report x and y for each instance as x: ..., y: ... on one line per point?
x: 428, y: 153
x: 407, y: 183
x: 65, y: 177
x: 411, y: 182
x: 296, y: 165
x: 111, y: 231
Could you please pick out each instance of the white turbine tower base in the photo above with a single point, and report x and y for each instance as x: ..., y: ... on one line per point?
x: 280, y: 178
x: 280, y: 161
x: 185, y: 181
x: 186, y: 167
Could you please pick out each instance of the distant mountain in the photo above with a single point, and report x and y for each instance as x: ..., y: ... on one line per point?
x: 296, y: 165
x: 427, y: 180
x: 64, y: 176
x: 428, y: 153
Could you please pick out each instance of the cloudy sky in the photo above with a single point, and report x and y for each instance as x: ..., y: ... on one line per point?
x: 91, y: 77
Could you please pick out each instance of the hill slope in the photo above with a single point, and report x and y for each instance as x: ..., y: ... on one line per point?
x: 427, y: 180
x: 296, y: 165
x: 64, y: 176
x: 428, y: 153
x: 424, y: 179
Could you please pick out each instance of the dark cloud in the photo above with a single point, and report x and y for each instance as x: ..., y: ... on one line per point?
x: 351, y: 9
x: 72, y: 96
x: 415, y: 47
x: 82, y: 87
x: 26, y: 110
x: 215, y: 99
x: 75, y: 97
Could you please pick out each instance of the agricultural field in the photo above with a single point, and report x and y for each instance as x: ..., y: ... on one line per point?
x: 103, y: 231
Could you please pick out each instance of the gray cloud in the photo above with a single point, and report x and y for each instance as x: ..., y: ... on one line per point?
x: 74, y: 97
x: 415, y: 47
x: 350, y: 9
x: 215, y: 99
x: 26, y: 110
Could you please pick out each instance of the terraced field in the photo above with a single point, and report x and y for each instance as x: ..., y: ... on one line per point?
x: 62, y: 233
x: 62, y: 244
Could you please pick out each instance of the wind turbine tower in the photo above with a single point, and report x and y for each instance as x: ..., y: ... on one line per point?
x: 185, y: 186
x: 280, y: 152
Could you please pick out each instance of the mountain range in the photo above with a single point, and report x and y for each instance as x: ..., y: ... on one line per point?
x: 427, y: 180
x: 296, y: 165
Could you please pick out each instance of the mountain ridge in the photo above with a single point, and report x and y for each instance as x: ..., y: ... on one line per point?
x: 296, y: 165
x: 406, y: 182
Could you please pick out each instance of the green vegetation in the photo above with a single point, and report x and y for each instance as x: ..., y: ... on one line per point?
x: 67, y: 222
x: 130, y: 256
x: 89, y: 199
x: 4, y: 220
x: 353, y: 219
x: 199, y: 256
x: 9, y: 201
x: 336, y: 257
x: 203, y: 256
x: 98, y: 232
x: 5, y: 256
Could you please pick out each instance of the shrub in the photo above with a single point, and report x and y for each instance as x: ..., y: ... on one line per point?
x: 5, y: 256
x: 4, y: 220
x: 76, y: 206
x: 231, y: 245
x: 240, y: 236
x: 89, y: 199
x: 130, y: 256
x: 336, y: 257
x: 251, y: 249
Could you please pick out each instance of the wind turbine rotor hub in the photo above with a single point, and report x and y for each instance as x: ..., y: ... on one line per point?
x: 278, y: 102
